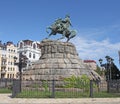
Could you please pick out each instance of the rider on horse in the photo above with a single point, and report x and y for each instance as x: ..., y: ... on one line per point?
x: 63, y: 24
x: 62, y: 27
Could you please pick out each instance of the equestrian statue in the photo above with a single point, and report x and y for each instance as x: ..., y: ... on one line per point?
x: 62, y: 27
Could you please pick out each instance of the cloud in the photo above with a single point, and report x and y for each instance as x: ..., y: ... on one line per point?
x: 97, y: 42
x: 101, y: 33
x: 92, y: 49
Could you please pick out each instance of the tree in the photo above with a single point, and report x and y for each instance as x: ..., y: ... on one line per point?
x: 115, y: 73
x: 111, y: 70
x: 99, y: 71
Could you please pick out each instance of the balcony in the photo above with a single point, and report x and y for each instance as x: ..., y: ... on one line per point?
x: 4, y: 58
x: 3, y: 65
x: 3, y: 71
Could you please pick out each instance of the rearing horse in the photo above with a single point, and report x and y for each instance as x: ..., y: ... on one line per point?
x: 60, y: 28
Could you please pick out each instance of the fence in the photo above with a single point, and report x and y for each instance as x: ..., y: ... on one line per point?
x: 59, y: 89
x: 114, y: 86
x: 4, y: 83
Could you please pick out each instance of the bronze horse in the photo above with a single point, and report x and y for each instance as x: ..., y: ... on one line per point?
x: 61, y: 28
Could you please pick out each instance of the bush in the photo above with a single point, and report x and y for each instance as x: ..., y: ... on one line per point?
x: 82, y: 82
x: 45, y: 85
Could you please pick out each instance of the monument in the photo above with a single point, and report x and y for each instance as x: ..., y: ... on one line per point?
x: 62, y: 27
x: 58, y: 59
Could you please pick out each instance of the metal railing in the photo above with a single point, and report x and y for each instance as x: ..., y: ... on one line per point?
x: 53, y: 88
x: 63, y: 89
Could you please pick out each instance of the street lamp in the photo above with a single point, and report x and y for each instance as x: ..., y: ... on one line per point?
x: 100, y: 60
x: 102, y: 65
x: 109, y: 63
x: 21, y: 63
x: 107, y: 66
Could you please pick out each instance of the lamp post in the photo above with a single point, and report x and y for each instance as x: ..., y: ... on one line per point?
x: 108, y: 67
x: 21, y: 63
x: 100, y: 61
x: 109, y: 62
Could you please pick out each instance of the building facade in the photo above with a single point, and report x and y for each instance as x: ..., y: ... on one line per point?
x: 7, y: 53
x: 91, y: 63
x: 31, y: 49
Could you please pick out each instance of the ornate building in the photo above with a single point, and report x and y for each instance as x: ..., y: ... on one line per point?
x: 31, y: 49
x: 7, y: 53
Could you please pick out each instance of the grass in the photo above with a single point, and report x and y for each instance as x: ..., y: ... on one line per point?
x: 106, y: 95
x: 60, y: 94
x: 5, y: 90
x: 33, y: 94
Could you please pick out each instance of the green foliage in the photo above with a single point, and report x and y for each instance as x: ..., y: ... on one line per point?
x: 45, y: 85
x: 82, y: 82
x: 99, y: 71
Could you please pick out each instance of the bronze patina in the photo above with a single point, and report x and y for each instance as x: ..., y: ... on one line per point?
x: 62, y: 26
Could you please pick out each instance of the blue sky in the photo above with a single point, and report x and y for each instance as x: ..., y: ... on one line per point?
x: 97, y: 23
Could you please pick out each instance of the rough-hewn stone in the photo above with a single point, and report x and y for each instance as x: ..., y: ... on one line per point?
x: 59, y: 60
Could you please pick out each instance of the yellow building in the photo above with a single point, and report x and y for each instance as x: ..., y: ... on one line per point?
x: 8, y: 52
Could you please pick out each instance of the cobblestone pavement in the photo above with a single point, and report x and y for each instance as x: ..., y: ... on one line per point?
x: 6, y: 99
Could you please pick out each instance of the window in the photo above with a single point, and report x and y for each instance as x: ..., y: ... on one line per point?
x: 21, y: 45
x: 29, y: 55
x: 34, y: 56
x: 10, y: 75
x: 7, y: 75
x: 8, y: 63
x: 13, y: 75
x: 34, y: 46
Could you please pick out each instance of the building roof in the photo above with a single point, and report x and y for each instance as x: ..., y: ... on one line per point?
x: 27, y: 40
x: 89, y: 61
x: 6, y: 44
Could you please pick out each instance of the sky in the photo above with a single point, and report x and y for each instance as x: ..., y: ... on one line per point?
x: 97, y: 23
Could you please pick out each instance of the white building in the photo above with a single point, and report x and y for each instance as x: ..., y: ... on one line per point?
x: 31, y: 49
